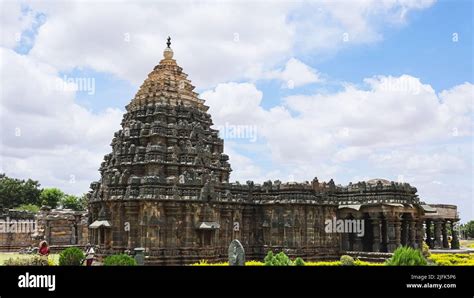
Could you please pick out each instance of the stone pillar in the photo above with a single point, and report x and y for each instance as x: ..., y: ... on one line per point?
x: 47, y: 232
x: 345, y: 245
x: 420, y: 232
x: 376, y: 232
x: 398, y: 232
x: 131, y: 215
x: 358, y: 244
x: 428, y: 234
x: 394, y: 233
x: 412, y: 234
x: 245, y: 226
x: 445, y: 234
x: 172, y: 230
x: 73, y: 234
x: 384, y: 235
x: 437, y: 234
x: 188, y: 228
x: 406, y: 232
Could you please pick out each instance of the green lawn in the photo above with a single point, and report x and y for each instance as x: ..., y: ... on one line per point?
x: 7, y: 255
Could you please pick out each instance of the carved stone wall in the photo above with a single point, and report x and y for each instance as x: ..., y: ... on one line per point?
x: 60, y: 228
x: 13, y: 240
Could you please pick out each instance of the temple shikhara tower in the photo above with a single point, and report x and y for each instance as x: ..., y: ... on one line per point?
x: 165, y: 188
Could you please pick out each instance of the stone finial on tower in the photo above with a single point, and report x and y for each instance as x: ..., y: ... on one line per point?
x: 168, y: 53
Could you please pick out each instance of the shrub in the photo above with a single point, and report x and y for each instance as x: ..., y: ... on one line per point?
x: 299, y: 262
x: 268, y: 258
x: 51, y: 262
x: 406, y: 256
x: 323, y: 263
x: 120, y: 260
x: 202, y: 263
x: 28, y: 261
x: 280, y: 259
x: 71, y: 256
x: 453, y: 259
x: 364, y: 263
x: 426, y: 250
x: 254, y: 263
x: 347, y: 260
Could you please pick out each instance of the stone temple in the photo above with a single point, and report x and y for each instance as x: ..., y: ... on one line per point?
x: 165, y: 188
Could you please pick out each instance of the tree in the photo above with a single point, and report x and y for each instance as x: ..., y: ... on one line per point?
x: 74, y: 202
x: 469, y: 229
x: 16, y: 192
x: 51, y: 197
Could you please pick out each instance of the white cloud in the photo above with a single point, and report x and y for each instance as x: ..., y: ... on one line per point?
x: 386, y: 114
x: 45, y: 134
x: 294, y: 74
x: 325, y: 26
x: 411, y: 162
x: 233, y: 39
x: 380, y: 130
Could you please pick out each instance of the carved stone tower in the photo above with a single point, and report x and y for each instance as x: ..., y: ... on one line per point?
x: 165, y: 151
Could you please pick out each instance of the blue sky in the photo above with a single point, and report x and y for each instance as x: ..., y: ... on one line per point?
x: 342, y: 119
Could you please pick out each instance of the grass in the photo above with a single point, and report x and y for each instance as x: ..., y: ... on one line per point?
x: 7, y: 255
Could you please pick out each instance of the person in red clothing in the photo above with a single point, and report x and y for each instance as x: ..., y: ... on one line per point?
x: 43, y: 248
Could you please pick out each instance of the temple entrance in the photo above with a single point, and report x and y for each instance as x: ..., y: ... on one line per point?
x: 367, y: 240
x: 101, y: 234
x: 207, y: 232
x: 207, y: 238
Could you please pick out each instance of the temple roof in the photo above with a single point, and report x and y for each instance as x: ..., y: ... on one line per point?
x: 375, y: 181
x: 167, y: 83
